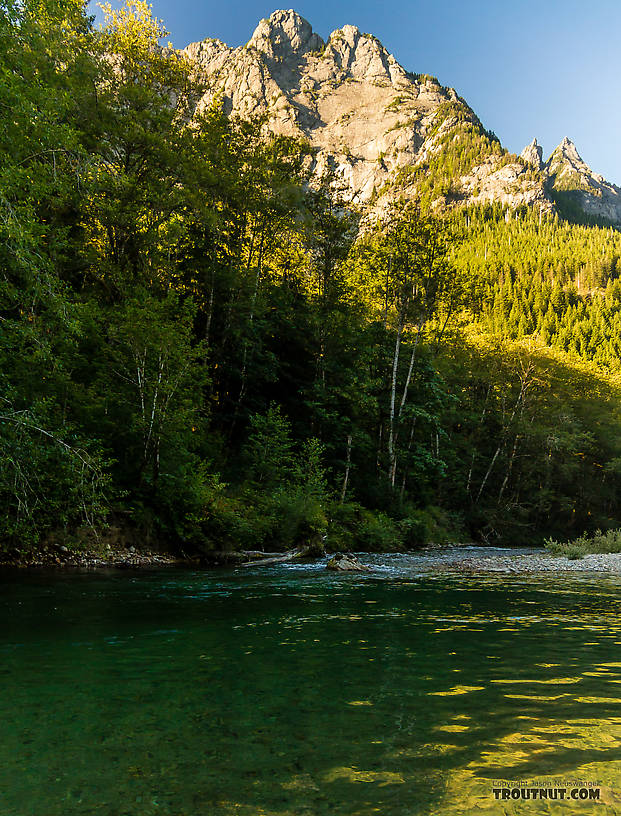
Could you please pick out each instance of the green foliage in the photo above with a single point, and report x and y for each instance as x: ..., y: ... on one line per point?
x: 269, y: 450
x: 311, y: 473
x: 531, y: 435
x: 50, y: 478
x: 554, y: 282
x: 151, y: 383
x: 286, y: 488
x: 377, y: 532
x: 413, y: 531
x: 353, y: 527
x: 289, y: 518
x: 460, y: 143
x: 196, y: 339
x: 192, y: 506
x: 599, y: 542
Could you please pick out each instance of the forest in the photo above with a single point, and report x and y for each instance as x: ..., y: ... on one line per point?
x: 202, y: 346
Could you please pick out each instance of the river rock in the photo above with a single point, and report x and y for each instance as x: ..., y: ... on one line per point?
x: 346, y: 563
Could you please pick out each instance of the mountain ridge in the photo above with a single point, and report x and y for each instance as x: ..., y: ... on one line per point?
x: 383, y: 129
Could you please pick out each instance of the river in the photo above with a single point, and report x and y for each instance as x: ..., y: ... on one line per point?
x: 293, y: 691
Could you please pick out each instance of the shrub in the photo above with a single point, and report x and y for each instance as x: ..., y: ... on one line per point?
x: 344, y: 520
x: 282, y: 520
x: 379, y: 533
x: 414, y: 531
x: 194, y: 510
x: 599, y: 542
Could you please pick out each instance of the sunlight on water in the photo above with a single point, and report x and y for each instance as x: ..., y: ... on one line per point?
x: 294, y: 692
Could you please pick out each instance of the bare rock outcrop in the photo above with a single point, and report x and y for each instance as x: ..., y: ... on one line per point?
x: 383, y: 129
x: 570, y: 176
x: 365, y: 116
x: 284, y: 37
x: 533, y: 155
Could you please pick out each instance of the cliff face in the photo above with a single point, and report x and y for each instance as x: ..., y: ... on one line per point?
x: 383, y: 129
x: 378, y: 125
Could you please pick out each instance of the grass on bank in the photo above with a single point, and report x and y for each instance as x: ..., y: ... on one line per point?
x: 599, y: 542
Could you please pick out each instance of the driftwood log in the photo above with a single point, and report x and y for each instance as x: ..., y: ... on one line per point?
x: 274, y: 558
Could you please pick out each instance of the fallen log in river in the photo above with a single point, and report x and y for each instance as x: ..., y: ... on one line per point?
x: 274, y: 558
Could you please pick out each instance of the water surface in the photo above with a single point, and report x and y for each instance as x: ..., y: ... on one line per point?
x: 291, y: 691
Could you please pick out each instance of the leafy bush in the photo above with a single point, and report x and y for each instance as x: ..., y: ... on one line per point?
x: 442, y: 526
x: 414, y: 531
x: 52, y: 479
x: 353, y: 527
x: 601, y: 542
x: 377, y: 532
x: 286, y: 489
x: 195, y: 510
x: 283, y: 520
x: 344, y: 521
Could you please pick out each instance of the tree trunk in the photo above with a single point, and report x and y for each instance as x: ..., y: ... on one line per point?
x: 489, y: 470
x: 347, y: 469
x: 392, y: 454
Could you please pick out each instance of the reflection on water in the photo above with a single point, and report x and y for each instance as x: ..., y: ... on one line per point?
x: 289, y: 691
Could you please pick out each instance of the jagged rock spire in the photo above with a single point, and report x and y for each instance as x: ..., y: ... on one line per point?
x: 533, y: 154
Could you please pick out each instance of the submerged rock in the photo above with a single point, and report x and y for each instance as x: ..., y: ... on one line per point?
x: 344, y: 562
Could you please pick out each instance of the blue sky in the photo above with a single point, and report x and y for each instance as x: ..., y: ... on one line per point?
x: 545, y: 69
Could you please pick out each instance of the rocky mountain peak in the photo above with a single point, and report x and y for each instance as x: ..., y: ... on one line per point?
x: 349, y: 33
x: 363, y: 57
x: 571, y: 176
x: 567, y: 150
x: 284, y: 34
x: 533, y: 154
x: 566, y: 162
x: 380, y: 127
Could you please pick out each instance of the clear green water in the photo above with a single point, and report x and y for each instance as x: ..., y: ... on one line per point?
x: 292, y: 691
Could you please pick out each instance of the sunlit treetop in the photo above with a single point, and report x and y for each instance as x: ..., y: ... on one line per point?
x: 133, y: 25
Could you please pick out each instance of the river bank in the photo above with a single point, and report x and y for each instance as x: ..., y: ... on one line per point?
x: 61, y: 557
x: 540, y: 560
x: 466, y: 558
x: 469, y: 559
